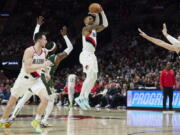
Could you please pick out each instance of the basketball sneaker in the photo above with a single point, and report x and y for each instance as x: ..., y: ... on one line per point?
x: 36, y: 125
x: 86, y: 103
x: 70, y: 106
x: 6, y: 124
x: 45, y: 125
x: 80, y: 102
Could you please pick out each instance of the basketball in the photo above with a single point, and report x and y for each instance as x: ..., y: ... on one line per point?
x: 95, y: 8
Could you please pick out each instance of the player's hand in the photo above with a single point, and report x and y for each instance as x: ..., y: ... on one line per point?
x: 47, y: 64
x: 164, y: 30
x: 48, y: 77
x: 63, y: 31
x: 141, y: 33
x: 101, y: 9
x: 40, y: 20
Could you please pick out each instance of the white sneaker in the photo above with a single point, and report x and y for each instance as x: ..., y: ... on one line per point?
x: 119, y: 107
x: 86, y: 103
x: 66, y: 104
x: 80, y: 102
x: 45, y: 125
x: 59, y: 103
x: 98, y: 106
x: 108, y: 106
x: 123, y: 107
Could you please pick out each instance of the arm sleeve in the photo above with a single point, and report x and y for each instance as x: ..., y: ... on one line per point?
x: 69, y: 45
x: 172, y: 40
x: 97, y: 20
x: 161, y: 79
x: 104, y: 19
x: 36, y: 30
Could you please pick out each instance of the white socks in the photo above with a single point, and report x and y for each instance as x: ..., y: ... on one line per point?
x: 38, y: 117
x: 71, y: 94
x: 48, y: 110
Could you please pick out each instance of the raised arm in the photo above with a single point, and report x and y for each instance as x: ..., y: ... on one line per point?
x: 66, y: 52
x: 40, y: 21
x: 98, y: 27
x: 171, y: 39
x: 159, y: 42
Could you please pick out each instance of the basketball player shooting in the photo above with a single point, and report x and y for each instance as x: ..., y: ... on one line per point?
x: 87, y: 57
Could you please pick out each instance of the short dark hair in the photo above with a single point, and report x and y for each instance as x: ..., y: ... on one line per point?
x: 39, y: 35
x: 91, y: 15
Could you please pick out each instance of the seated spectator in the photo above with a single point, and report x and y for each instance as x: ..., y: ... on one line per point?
x: 101, y: 95
x: 78, y: 87
x: 5, y: 94
x: 94, y: 95
x: 122, y: 97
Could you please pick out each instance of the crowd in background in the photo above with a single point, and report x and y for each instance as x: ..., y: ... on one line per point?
x: 125, y: 60
x: 124, y: 64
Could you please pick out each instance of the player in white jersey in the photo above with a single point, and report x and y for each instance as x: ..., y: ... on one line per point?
x: 171, y: 39
x: 29, y: 77
x: 59, y: 58
x: 161, y: 43
x: 71, y: 88
x: 87, y: 57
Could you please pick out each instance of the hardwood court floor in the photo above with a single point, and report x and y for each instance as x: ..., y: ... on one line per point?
x: 93, y: 122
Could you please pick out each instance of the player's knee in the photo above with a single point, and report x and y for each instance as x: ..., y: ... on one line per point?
x: 44, y: 100
x: 93, y: 77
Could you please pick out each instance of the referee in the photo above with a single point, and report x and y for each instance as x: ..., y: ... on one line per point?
x: 167, y: 82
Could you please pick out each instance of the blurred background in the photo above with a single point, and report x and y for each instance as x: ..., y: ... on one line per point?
x: 126, y: 61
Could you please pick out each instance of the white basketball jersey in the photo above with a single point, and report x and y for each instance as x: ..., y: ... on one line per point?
x: 90, y: 42
x: 37, y: 59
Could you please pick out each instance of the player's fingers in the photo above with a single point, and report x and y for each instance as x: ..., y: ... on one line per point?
x: 140, y: 34
x: 164, y: 25
x: 139, y: 30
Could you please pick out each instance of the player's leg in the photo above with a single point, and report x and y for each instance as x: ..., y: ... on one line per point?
x: 48, y: 111
x: 16, y: 92
x: 20, y: 104
x: 40, y: 90
x: 88, y: 85
x: 71, y: 91
x: 85, y: 61
x: 91, y: 77
x: 11, y: 103
x: 86, y: 89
